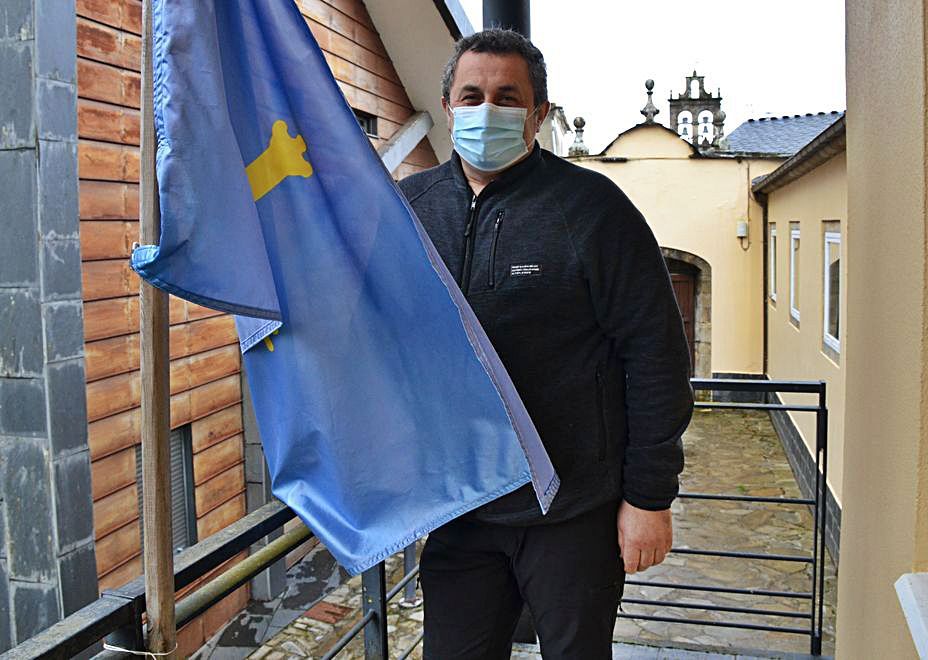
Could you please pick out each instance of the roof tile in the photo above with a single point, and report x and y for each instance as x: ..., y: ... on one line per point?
x: 782, y: 136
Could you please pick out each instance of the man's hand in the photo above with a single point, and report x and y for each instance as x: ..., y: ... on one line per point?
x: 645, y: 537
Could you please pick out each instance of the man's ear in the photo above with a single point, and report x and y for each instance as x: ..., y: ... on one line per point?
x: 542, y: 113
x: 449, y: 116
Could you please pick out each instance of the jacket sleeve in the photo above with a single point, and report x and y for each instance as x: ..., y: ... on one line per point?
x: 635, y: 306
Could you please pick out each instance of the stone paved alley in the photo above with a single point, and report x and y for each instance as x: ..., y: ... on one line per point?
x: 730, y: 452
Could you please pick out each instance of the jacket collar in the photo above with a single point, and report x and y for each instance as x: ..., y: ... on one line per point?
x: 505, y: 179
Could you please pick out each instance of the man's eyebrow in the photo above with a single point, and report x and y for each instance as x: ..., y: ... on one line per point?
x: 470, y: 88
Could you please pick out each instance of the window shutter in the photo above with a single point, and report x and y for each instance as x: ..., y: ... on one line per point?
x: 178, y: 493
x: 183, y: 515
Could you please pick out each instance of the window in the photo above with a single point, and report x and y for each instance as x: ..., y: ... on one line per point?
x: 772, y: 264
x: 832, y: 290
x: 183, y: 506
x: 794, y: 271
x: 367, y: 122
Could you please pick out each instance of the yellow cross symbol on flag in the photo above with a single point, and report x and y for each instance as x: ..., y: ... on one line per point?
x: 282, y: 158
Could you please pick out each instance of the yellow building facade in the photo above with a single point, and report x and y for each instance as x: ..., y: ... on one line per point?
x: 802, y: 216
x: 805, y: 288
x: 830, y: 284
x: 884, y: 532
x: 694, y: 204
x: 763, y: 291
x: 856, y: 198
x: 849, y: 213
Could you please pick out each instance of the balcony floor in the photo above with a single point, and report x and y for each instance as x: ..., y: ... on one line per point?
x: 731, y: 452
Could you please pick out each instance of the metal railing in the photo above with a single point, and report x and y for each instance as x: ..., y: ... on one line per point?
x: 374, y: 599
x: 815, y: 595
x: 117, y: 614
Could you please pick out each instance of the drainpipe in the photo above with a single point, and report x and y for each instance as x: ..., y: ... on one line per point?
x: 762, y: 200
x: 513, y: 14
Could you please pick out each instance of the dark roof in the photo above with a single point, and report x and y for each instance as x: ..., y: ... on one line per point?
x: 780, y: 136
x: 823, y: 147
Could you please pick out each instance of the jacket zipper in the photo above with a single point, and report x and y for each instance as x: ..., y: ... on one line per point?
x: 603, y: 427
x: 491, y: 277
x: 469, y: 237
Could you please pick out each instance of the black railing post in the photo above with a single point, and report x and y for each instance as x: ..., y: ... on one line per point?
x: 374, y: 599
x: 821, y: 448
x: 816, y: 519
x: 409, y: 565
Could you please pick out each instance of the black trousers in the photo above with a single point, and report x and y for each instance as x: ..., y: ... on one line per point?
x: 475, y: 577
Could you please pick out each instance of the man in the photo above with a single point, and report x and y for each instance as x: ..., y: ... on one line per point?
x: 570, y: 286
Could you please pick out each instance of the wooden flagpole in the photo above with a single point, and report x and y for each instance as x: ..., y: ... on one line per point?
x: 156, y: 402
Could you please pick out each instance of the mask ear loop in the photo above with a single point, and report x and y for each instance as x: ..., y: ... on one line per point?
x: 538, y: 125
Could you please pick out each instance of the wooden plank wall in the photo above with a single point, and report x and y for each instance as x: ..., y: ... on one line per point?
x: 205, y: 362
x: 205, y: 389
x: 364, y: 71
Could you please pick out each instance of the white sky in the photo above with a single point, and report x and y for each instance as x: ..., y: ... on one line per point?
x: 778, y: 57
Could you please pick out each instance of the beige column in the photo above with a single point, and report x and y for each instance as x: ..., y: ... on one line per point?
x: 885, y: 486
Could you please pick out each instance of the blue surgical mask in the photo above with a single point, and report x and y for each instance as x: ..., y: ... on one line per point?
x: 489, y: 137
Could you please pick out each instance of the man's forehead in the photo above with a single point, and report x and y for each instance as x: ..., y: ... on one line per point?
x: 492, y: 69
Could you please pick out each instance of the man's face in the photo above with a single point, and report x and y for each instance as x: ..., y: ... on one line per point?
x: 502, y: 80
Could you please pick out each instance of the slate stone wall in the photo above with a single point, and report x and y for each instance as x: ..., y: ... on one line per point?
x: 47, y: 564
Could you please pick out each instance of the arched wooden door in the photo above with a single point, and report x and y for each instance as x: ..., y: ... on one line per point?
x: 684, y: 288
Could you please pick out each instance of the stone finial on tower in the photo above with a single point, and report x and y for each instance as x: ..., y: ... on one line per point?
x: 718, y: 121
x: 578, y: 148
x: 650, y: 110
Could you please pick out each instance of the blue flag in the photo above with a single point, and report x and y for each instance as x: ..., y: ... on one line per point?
x: 383, y: 408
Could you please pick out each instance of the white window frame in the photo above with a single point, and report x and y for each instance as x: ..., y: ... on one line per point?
x: 772, y: 264
x: 793, y: 289
x: 831, y: 238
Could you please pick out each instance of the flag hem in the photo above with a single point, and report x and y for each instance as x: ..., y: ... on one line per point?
x: 145, y: 254
x: 360, y: 567
x: 246, y: 343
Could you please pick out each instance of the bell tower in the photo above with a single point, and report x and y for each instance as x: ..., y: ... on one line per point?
x: 694, y: 114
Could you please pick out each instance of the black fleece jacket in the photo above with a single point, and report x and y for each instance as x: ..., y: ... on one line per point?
x: 569, y: 283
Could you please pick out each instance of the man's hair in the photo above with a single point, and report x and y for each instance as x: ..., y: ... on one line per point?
x: 500, y: 42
